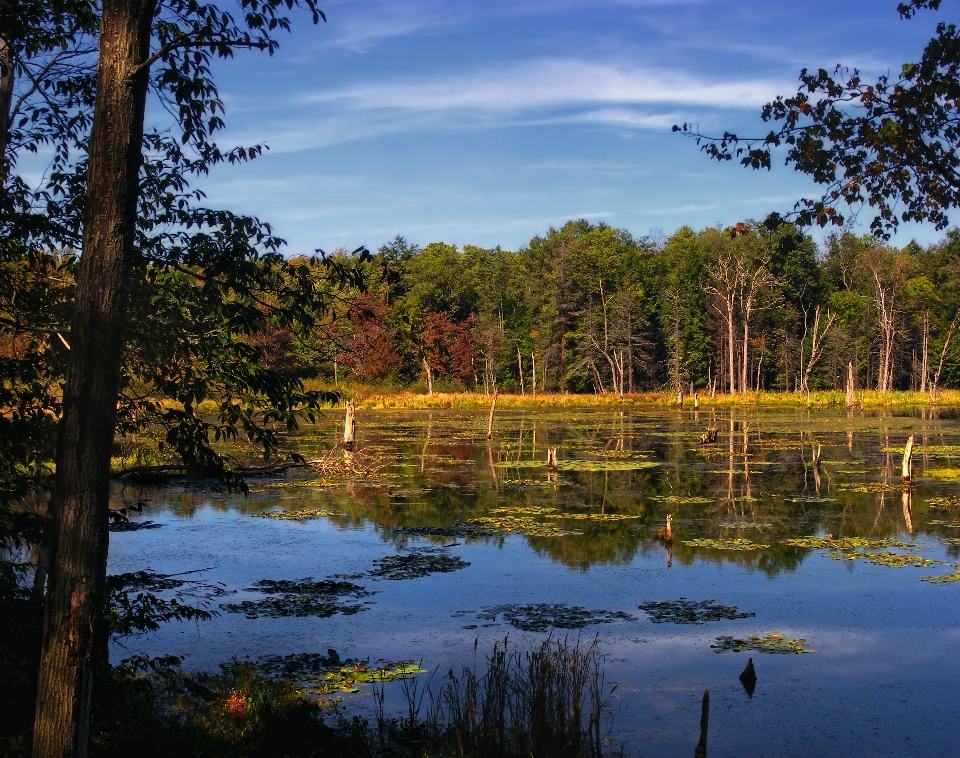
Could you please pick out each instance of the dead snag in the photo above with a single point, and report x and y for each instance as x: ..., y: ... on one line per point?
x: 350, y: 427
x: 907, y: 468
x: 708, y: 437
x: 701, y: 750
x: 696, y: 399
x: 851, y: 398
x: 493, y: 407
x: 552, y: 457
x: 816, y: 455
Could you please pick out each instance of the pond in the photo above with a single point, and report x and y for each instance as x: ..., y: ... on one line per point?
x: 433, y: 543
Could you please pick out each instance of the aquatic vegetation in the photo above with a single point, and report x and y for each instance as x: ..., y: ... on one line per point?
x: 768, y: 643
x: 524, y: 525
x: 594, y: 516
x: 948, y: 524
x: 457, y: 530
x: 685, y: 611
x: 631, y: 465
x: 874, y: 487
x: 527, y: 483
x: 809, y: 499
x: 542, y: 616
x: 847, y: 543
x: 681, y: 499
x: 742, y: 525
x: 944, y: 503
x: 133, y: 526
x: 295, y: 515
x: 943, y: 474
x: 953, y: 576
x: 725, y: 544
x: 888, y: 558
x: 525, y: 510
x: 945, y: 451
x: 950, y: 540
x: 414, y: 565
x: 328, y: 674
x: 287, y: 597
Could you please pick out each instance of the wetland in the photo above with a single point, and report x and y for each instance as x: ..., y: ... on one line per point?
x: 435, y: 543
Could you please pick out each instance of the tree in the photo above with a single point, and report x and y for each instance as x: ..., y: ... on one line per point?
x: 126, y: 197
x: 890, y: 145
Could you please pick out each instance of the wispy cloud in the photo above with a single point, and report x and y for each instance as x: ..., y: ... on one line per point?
x: 549, y: 83
x: 360, y: 26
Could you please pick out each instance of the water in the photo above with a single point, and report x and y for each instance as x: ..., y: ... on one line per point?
x: 884, y: 679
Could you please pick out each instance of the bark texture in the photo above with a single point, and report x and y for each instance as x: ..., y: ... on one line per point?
x: 80, y: 505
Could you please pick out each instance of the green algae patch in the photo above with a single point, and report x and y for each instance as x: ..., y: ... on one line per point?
x: 523, y: 525
x: 329, y: 674
x: 685, y: 611
x: 287, y: 597
x: 415, y: 565
x: 540, y: 617
x: 846, y: 543
x: 725, y: 544
x: 294, y: 515
x: 942, y: 474
x: 777, y: 644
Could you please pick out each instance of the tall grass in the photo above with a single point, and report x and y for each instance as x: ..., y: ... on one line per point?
x: 545, y: 703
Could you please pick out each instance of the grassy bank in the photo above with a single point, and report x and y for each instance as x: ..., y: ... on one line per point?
x: 378, y: 398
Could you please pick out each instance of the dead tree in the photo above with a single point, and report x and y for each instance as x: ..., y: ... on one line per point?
x: 493, y: 407
x: 816, y: 346
x: 884, y: 301
x: 551, y: 457
x: 350, y: 427
x: 935, y: 382
x: 906, y: 471
x: 851, y: 399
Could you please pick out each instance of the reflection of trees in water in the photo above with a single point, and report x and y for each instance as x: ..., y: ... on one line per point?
x: 439, y: 473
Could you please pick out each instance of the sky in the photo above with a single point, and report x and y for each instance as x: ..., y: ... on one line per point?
x: 487, y: 123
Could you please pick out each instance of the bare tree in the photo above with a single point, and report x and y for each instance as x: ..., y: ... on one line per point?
x: 884, y: 300
x: 818, y: 339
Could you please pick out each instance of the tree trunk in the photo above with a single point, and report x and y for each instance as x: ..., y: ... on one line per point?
x: 533, y: 371
x: 925, y: 353
x: 733, y: 362
x: 850, y: 396
x: 350, y: 427
x: 426, y: 367
x: 6, y: 93
x: 80, y: 506
x: 520, y: 371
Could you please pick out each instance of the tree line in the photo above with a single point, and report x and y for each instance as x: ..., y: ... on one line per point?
x: 592, y: 309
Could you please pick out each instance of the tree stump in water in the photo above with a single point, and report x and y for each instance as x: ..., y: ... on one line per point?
x: 749, y: 677
x: 493, y: 407
x: 696, y: 399
x: 907, y: 468
x: 851, y: 399
x: 350, y: 428
x: 708, y: 437
x: 701, y: 751
x: 552, y: 457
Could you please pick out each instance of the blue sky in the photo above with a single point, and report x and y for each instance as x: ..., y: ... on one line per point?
x: 486, y: 123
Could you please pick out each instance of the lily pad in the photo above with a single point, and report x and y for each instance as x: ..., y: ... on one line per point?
x: 944, y: 503
x: 944, y: 578
x: 523, y: 525
x: 525, y: 510
x: 685, y: 611
x: 846, y: 543
x: 542, y: 616
x: 682, y: 499
x: 593, y: 516
x: 133, y: 526
x: 768, y: 643
x: 286, y: 597
x: 457, y: 529
x: 888, y: 558
x: 874, y: 487
x: 574, y: 465
x: 414, y: 565
x: 328, y: 674
x: 725, y: 544
x: 295, y: 515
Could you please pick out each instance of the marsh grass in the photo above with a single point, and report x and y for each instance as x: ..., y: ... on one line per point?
x: 546, y: 703
x: 378, y: 398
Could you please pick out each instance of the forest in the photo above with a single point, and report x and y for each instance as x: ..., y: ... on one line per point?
x: 592, y: 309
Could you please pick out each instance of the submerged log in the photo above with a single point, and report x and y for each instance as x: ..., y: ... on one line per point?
x: 907, y: 468
x: 350, y: 427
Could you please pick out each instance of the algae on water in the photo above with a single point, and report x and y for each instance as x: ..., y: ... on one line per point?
x: 685, y: 611
x: 286, y: 597
x: 769, y: 643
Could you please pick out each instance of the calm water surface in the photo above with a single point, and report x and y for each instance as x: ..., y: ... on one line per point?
x: 885, y: 679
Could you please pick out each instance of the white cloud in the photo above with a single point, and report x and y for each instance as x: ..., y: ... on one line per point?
x: 549, y: 84
x: 358, y: 26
